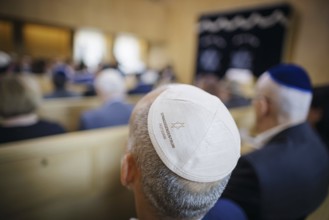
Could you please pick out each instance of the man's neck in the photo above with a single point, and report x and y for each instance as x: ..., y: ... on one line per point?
x: 108, y: 99
x: 262, y: 138
x: 143, y: 207
x: 266, y: 124
x: 146, y: 212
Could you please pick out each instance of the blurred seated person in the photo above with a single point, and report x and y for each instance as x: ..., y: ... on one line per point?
x: 39, y: 66
x: 167, y: 76
x: 145, y: 83
x: 19, y: 100
x: 66, y: 66
x: 90, y: 89
x: 209, y: 83
x: 288, y: 176
x: 228, y: 91
x: 59, y: 79
x: 83, y: 75
x: 319, y: 112
x: 243, y: 79
x: 25, y: 64
x: 4, y: 63
x: 110, y: 87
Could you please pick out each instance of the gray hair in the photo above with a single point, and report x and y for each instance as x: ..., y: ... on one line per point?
x: 111, y: 83
x: 19, y: 95
x: 171, y: 195
x: 290, y: 105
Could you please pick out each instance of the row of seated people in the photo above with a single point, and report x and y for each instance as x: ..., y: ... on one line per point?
x: 68, y: 111
x: 227, y: 90
x: 59, y: 83
x: 57, y: 75
x: 269, y: 183
x: 111, y: 90
x: 20, y: 99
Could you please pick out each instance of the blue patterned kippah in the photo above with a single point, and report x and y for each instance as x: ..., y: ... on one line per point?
x: 292, y: 76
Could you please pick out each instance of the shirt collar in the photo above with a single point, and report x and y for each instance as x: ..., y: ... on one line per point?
x: 263, y: 138
x: 22, y: 120
x: 113, y: 100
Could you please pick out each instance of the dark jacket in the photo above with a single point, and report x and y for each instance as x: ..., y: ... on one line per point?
x: 40, y: 129
x: 287, y: 179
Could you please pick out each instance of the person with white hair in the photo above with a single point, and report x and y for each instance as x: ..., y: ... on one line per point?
x: 110, y: 87
x: 183, y: 145
x: 288, y: 176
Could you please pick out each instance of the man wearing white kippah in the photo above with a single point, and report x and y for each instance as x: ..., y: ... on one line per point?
x: 183, y: 145
x: 288, y: 176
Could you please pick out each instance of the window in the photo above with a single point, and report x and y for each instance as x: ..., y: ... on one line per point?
x: 127, y: 51
x: 89, y: 47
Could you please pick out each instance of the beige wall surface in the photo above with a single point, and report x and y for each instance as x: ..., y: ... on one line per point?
x: 6, y: 38
x: 142, y: 17
x: 45, y: 41
x: 310, y: 39
x: 173, y: 22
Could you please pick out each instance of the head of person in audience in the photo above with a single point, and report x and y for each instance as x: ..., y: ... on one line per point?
x: 4, y: 62
x: 208, y: 83
x: 283, y: 96
x: 110, y: 84
x: 19, y: 100
x: 320, y: 102
x: 59, y: 79
x: 39, y: 66
x: 183, y: 145
x: 318, y: 116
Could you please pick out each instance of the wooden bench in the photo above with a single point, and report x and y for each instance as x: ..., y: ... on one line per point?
x: 67, y: 111
x: 69, y: 176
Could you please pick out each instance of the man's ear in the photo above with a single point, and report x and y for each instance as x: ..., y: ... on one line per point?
x: 129, y: 170
x: 264, y: 107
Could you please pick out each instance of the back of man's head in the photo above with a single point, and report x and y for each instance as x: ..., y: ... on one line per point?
x: 288, y: 88
x: 185, y: 144
x: 109, y: 83
x: 59, y: 80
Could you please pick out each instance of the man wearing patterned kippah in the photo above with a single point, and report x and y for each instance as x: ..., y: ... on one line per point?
x: 183, y: 146
x: 287, y: 178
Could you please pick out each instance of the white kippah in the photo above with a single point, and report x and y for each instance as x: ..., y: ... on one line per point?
x: 194, y: 134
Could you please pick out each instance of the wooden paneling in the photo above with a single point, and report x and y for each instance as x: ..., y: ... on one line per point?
x: 141, y: 17
x: 47, y: 41
x: 6, y: 36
